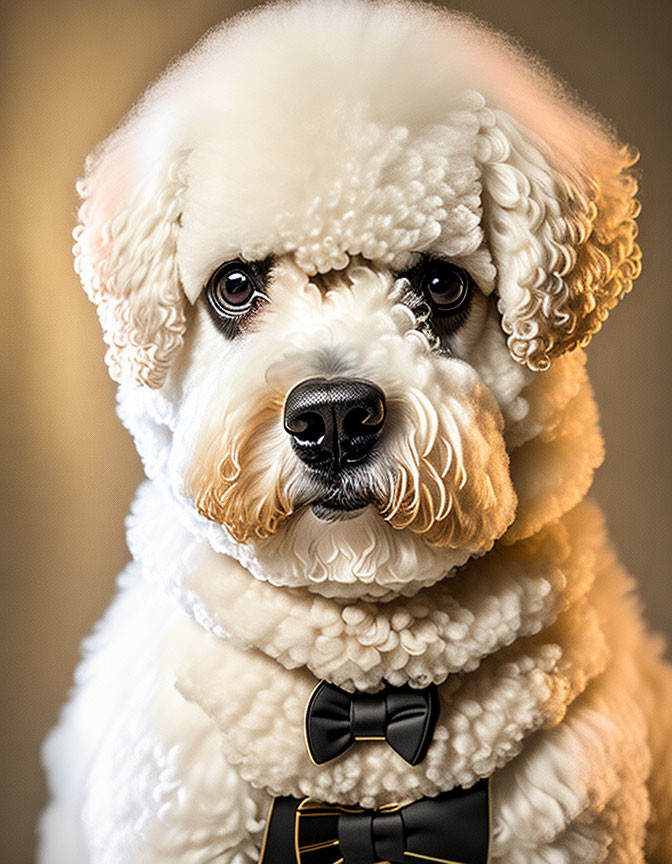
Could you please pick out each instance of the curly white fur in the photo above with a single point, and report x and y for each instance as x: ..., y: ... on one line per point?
x: 346, y: 140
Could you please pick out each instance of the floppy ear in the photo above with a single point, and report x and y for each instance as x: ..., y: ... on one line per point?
x: 125, y: 250
x: 562, y: 232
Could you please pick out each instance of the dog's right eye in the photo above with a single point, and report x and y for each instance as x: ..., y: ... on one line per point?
x: 234, y: 291
x: 232, y: 288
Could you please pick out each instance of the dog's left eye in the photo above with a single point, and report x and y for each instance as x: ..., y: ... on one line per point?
x: 446, y: 287
x: 440, y: 293
x: 232, y: 288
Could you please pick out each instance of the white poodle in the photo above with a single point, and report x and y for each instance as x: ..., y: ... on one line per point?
x: 346, y: 256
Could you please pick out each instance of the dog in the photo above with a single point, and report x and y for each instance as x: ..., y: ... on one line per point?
x: 347, y: 256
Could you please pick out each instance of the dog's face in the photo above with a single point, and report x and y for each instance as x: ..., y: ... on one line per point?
x: 330, y: 250
x: 336, y: 425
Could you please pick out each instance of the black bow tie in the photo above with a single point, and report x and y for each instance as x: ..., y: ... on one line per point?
x: 453, y: 828
x: 402, y: 716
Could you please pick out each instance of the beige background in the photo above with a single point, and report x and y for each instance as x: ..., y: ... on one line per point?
x: 70, y: 69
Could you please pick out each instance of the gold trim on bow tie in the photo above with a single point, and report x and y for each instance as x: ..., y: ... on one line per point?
x: 266, y: 827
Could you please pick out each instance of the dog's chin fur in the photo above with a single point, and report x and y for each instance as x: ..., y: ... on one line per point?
x: 363, y: 557
x: 342, y: 142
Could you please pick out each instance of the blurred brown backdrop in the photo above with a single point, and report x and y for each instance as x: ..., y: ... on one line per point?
x: 70, y: 69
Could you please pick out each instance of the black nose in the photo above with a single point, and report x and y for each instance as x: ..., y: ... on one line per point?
x: 334, y: 422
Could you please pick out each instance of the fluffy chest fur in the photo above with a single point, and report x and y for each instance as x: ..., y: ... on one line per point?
x: 541, y: 648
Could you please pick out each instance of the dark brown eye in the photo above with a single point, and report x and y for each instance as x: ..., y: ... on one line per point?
x: 232, y: 288
x: 446, y: 286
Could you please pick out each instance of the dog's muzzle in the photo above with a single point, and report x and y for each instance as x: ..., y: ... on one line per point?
x: 334, y: 423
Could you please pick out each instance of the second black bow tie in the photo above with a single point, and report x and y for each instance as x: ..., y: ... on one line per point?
x: 452, y: 828
x: 402, y: 716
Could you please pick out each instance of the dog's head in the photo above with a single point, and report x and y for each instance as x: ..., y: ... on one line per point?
x: 330, y: 248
